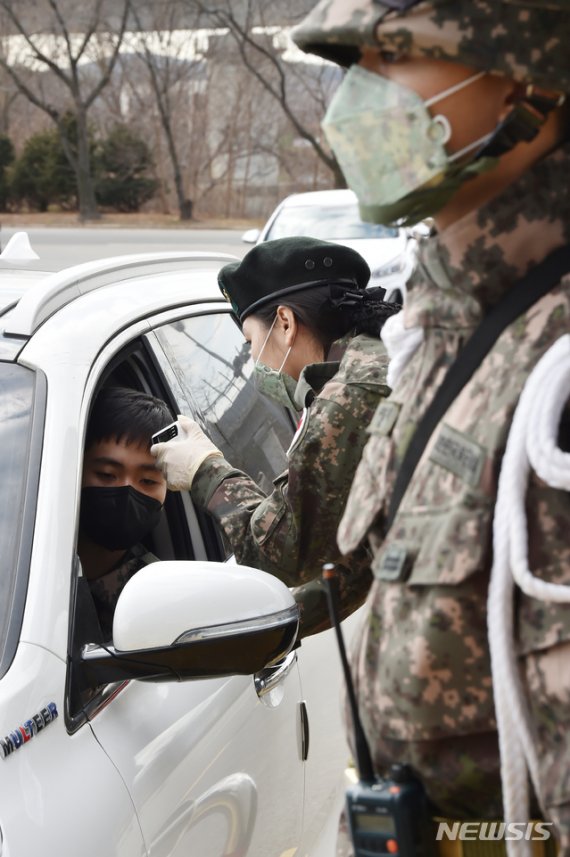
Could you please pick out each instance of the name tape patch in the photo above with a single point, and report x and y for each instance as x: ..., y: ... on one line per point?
x: 385, y: 418
x: 459, y: 454
x: 22, y: 734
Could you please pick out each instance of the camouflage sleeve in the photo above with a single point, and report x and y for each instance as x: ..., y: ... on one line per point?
x: 105, y: 590
x: 291, y: 532
x: 212, y: 473
x: 354, y: 585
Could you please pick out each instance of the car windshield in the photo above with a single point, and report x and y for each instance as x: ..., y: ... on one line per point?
x: 16, y: 403
x: 328, y: 222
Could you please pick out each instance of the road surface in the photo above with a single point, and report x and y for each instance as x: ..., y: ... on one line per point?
x: 61, y: 247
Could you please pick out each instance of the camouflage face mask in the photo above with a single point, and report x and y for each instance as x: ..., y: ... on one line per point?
x: 392, y: 151
x: 274, y: 383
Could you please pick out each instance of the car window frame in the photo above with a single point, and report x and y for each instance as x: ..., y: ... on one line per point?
x: 135, y: 357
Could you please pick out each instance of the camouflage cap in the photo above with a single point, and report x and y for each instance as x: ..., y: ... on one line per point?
x: 274, y: 269
x: 526, y: 40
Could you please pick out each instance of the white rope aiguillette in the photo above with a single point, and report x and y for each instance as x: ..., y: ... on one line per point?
x: 532, y: 442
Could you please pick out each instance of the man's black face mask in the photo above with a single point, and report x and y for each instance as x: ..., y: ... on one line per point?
x: 117, y: 518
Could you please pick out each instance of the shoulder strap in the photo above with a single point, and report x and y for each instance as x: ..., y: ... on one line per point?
x: 524, y: 293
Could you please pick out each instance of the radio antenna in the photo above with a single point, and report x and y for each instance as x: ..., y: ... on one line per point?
x: 363, y: 756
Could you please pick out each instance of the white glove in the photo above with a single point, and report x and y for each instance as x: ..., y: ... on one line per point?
x: 180, y: 458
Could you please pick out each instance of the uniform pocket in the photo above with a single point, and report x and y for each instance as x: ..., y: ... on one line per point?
x: 443, y: 546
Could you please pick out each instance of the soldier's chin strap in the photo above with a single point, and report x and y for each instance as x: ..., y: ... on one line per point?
x: 528, y: 114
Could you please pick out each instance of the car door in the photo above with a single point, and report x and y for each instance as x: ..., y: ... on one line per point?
x: 214, y: 767
x: 53, y: 783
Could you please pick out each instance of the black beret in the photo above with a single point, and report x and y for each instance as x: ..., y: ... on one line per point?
x: 277, y: 268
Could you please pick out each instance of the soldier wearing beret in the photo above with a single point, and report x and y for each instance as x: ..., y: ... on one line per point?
x: 456, y: 109
x: 297, y: 300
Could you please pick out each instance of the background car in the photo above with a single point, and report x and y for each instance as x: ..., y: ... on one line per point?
x: 201, y: 731
x: 333, y: 215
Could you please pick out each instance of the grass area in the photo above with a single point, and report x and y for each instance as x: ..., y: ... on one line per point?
x: 138, y: 220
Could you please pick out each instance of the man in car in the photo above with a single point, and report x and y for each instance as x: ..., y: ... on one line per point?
x: 122, y: 494
x: 456, y: 109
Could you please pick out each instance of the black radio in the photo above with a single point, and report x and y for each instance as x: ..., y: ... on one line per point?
x: 389, y: 816
x: 385, y: 815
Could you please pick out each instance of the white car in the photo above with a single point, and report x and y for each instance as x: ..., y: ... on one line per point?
x: 332, y: 215
x: 202, y: 731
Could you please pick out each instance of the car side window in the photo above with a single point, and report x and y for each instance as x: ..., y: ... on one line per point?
x: 212, y: 369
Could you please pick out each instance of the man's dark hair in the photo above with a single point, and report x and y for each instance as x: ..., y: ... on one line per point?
x: 120, y: 413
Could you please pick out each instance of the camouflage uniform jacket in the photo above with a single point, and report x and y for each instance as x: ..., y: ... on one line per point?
x: 291, y: 532
x: 422, y: 659
x: 106, y: 589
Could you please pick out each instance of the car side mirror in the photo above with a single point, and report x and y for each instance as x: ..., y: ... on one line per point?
x: 251, y: 236
x: 184, y: 620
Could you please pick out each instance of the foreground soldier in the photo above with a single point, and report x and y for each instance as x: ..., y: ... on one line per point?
x: 493, y: 168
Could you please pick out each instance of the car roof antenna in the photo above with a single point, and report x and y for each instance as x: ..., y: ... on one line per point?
x: 19, y: 249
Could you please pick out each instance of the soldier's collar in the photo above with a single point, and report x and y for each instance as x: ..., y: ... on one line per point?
x: 490, y: 248
x: 312, y: 380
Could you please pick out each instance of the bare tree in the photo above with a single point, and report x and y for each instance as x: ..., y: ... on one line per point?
x: 185, y: 90
x: 169, y: 70
x: 301, y: 96
x: 61, y: 55
x: 8, y: 96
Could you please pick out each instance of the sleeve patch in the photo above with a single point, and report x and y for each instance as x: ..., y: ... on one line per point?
x: 385, y: 418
